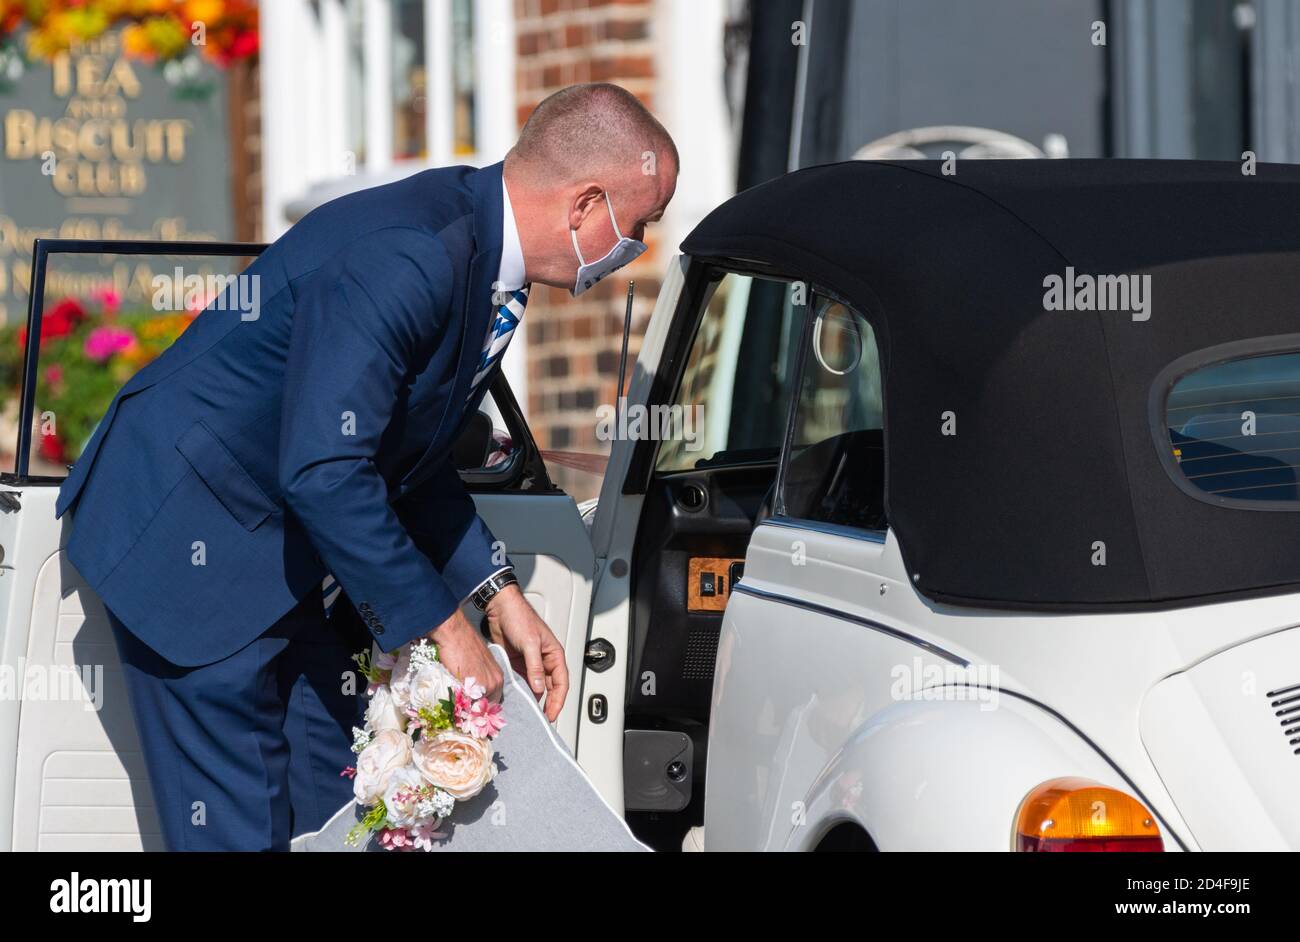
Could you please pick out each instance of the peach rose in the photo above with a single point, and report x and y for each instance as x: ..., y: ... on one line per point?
x: 459, y: 764
x: 389, y: 751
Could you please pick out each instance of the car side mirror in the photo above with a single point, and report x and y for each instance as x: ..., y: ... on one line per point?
x: 474, y: 444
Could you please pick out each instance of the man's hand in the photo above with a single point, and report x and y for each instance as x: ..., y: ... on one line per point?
x: 534, y: 651
x: 465, y: 654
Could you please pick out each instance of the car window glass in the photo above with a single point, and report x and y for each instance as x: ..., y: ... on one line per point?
x: 1234, y: 428
x: 834, y: 472
x: 104, y: 318
x: 487, y: 443
x: 734, y: 394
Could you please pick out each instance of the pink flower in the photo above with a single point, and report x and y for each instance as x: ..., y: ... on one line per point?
x: 105, y: 341
x: 396, y: 839
x: 108, y: 299
x: 473, y: 688
x: 423, y: 836
x: 348, y: 772
x: 482, y: 719
x: 54, y: 374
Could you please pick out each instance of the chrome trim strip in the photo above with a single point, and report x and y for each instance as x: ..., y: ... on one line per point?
x: 831, y: 529
x: 856, y: 619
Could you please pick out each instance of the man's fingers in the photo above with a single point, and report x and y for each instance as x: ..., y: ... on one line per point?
x: 536, y: 669
x: 555, y: 700
x: 557, y: 677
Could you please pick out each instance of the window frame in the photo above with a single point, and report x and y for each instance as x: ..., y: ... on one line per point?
x: 524, y: 472
x: 492, y: 56
x: 42, y: 249
x: 702, y: 299
x: 1157, y: 413
x: 701, y: 274
x: 779, y: 515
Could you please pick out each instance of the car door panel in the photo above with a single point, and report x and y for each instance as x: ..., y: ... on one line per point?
x: 76, y: 778
x: 554, y: 562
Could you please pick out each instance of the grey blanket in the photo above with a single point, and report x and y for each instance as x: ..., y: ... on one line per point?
x: 540, y: 799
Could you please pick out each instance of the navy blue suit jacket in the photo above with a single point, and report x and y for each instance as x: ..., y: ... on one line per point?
x: 230, y: 474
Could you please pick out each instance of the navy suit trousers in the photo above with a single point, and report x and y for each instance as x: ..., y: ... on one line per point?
x: 246, y: 753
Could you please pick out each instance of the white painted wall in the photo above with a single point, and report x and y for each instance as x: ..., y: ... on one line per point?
x: 690, y: 100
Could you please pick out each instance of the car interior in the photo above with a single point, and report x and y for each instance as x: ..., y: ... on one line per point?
x: 740, y: 356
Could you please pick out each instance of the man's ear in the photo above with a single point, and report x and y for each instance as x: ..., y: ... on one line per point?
x: 587, y: 198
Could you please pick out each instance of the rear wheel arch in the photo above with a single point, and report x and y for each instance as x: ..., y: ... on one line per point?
x: 846, y: 837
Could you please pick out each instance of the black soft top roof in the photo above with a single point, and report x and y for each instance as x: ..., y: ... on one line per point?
x: 1058, y: 445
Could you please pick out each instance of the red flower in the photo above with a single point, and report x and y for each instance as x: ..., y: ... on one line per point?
x: 63, y: 319
x: 51, y: 449
x: 59, y: 321
x: 245, y: 44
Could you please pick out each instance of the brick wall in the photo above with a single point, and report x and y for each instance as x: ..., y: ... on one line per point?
x: 244, y: 80
x: 573, y: 343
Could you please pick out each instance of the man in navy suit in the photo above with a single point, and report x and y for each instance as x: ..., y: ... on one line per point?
x: 312, y: 437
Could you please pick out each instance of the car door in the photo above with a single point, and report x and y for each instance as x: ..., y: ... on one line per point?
x: 76, y: 780
x: 684, y: 489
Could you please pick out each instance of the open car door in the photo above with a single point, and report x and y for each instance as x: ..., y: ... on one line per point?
x: 73, y: 776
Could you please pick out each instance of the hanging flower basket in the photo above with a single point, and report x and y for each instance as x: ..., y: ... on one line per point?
x: 176, y: 36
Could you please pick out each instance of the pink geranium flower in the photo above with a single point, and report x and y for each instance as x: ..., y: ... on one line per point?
x: 396, y: 839
x: 108, y: 299
x: 105, y: 341
x: 478, y: 718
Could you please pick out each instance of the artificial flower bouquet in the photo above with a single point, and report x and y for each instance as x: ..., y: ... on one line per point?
x: 426, y: 745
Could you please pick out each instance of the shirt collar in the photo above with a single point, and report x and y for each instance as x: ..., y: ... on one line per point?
x: 511, y: 274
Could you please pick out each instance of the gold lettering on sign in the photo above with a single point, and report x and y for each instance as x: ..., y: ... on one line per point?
x: 97, y: 151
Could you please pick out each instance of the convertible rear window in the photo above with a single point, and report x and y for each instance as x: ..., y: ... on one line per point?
x: 1234, y: 428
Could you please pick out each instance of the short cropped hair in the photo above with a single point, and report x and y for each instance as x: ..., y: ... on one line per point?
x: 584, y: 129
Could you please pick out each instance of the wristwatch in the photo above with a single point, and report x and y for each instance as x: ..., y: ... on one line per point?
x: 491, y: 587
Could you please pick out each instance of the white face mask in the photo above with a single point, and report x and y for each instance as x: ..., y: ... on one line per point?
x: 625, y: 250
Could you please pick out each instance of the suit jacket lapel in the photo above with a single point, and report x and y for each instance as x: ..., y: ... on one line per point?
x: 485, y: 185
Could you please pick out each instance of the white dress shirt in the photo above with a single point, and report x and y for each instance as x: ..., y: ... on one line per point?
x: 510, y: 276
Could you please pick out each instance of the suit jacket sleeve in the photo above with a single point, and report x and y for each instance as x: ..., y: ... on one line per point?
x: 439, y: 515
x: 362, y: 325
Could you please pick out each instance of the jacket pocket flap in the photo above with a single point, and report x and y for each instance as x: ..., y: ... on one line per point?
x: 224, y: 476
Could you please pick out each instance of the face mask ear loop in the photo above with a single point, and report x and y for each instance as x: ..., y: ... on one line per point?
x: 613, y: 221
x: 573, y: 234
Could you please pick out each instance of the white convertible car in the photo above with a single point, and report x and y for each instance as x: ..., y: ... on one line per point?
x: 953, y: 512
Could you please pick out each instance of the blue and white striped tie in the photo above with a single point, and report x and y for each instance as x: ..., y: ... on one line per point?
x: 499, y: 333
x: 498, y: 337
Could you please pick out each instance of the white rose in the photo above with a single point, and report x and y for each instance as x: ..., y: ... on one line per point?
x: 399, y: 682
x: 431, y: 683
x: 383, y: 712
x: 459, y: 764
x: 402, y: 796
x: 389, y: 751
